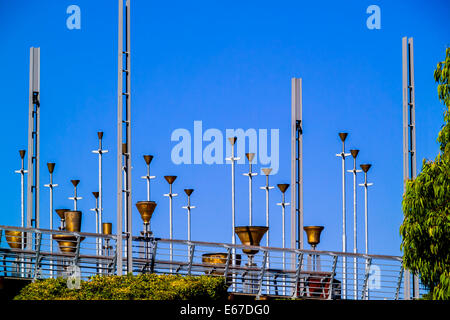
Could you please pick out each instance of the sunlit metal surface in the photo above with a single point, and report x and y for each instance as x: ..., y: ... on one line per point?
x: 317, y: 274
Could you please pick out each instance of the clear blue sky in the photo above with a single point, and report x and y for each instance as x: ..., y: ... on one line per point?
x: 228, y: 64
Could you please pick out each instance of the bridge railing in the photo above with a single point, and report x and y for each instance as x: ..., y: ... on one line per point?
x: 40, y: 253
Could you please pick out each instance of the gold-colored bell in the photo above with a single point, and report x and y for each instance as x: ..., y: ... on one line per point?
x: 219, y: 259
x: 146, y: 209
x: 67, y: 242
x: 107, y: 228
x: 313, y: 235
x: 14, y: 238
x: 250, y: 236
x: 73, y: 221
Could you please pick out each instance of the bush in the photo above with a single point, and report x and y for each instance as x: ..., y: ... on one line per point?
x: 129, y: 287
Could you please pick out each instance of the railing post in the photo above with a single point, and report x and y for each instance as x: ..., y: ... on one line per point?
x: 77, y: 251
x: 227, y: 264
x: 399, y: 282
x: 263, y: 269
x: 112, y: 266
x: 152, y: 263
x: 366, y: 279
x: 191, y: 257
x: 38, y: 255
x: 333, y: 273
x: 297, y: 275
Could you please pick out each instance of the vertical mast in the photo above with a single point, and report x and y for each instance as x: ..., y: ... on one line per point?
x: 33, y: 142
x: 124, y: 126
x: 409, y: 133
x: 296, y: 166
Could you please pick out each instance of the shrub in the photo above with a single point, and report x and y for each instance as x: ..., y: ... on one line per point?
x: 129, y: 287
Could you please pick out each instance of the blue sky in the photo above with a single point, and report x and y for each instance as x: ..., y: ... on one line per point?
x: 227, y: 64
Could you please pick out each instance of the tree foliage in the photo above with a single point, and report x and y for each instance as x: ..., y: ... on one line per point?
x: 426, y: 206
x: 129, y: 287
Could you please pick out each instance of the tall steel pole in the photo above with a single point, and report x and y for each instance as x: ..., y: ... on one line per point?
x: 170, y: 180
x: 188, y: 208
x: 148, y: 159
x: 365, y: 168
x: 267, y: 172
x: 124, y: 125
x: 343, y: 155
x: 409, y: 137
x: 296, y: 167
x: 75, y: 198
x: 283, y: 204
x: 233, y: 160
x: 99, y: 199
x: 22, y: 172
x: 96, y: 210
x: 354, y: 171
x: 51, y: 168
x: 33, y: 144
x: 250, y: 174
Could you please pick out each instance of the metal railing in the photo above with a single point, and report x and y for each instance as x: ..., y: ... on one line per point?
x: 295, y: 274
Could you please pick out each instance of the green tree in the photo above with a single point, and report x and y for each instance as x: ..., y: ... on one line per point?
x: 426, y: 206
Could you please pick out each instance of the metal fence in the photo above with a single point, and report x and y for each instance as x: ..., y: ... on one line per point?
x: 39, y: 253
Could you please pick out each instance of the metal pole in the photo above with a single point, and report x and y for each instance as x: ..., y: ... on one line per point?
x: 267, y: 172
x: 120, y: 128
x: 148, y: 159
x: 51, y: 167
x: 22, y: 190
x: 250, y: 174
x: 233, y: 159
x: 99, y: 222
x: 188, y: 208
x: 119, y: 189
x: 170, y: 180
x: 409, y: 137
x: 33, y: 144
x: 343, y: 155
x: 296, y: 166
x: 128, y: 135
x: 75, y: 198
x: 354, y: 171
x: 97, y: 226
x: 283, y: 204
x: 365, y: 168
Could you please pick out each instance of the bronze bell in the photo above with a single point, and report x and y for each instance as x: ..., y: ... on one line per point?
x: 313, y: 235
x: 66, y: 242
x: 107, y: 228
x: 250, y: 236
x: 73, y: 221
x: 14, y: 238
x: 146, y: 209
x: 219, y: 259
